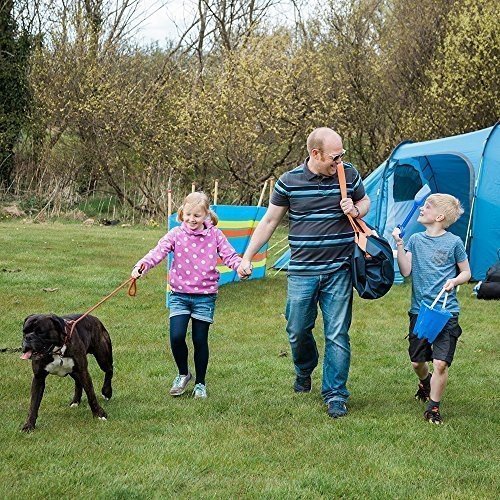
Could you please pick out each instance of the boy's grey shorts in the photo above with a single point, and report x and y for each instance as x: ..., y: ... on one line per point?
x: 443, y: 348
x: 197, y: 306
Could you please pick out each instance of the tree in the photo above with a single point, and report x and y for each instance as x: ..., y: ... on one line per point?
x: 412, y: 31
x: 464, y: 88
x: 350, y: 55
x: 14, y: 91
x: 249, y: 121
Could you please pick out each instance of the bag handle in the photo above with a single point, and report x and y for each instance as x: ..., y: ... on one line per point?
x: 437, y: 298
x: 361, y: 230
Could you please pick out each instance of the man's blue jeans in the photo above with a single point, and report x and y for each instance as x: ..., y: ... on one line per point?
x: 334, y: 294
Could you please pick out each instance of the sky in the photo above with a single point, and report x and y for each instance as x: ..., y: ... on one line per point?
x: 162, y: 17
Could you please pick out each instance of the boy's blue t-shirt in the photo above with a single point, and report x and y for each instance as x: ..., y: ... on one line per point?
x: 434, y: 261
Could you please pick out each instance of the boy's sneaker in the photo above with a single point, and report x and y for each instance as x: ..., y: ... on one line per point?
x: 423, y: 393
x: 179, y: 384
x: 302, y: 384
x: 336, y: 409
x: 433, y: 416
x: 200, y: 391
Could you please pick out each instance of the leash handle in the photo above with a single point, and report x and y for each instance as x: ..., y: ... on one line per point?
x: 132, y: 291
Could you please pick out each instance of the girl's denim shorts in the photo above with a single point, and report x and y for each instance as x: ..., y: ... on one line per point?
x: 198, y: 306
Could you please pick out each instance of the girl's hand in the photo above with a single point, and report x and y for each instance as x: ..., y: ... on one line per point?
x: 449, y: 285
x: 137, y: 272
x: 244, y: 269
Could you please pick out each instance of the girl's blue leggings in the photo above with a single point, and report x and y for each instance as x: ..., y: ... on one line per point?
x: 178, y: 331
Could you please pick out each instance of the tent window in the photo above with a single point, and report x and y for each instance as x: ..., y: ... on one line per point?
x: 407, y: 182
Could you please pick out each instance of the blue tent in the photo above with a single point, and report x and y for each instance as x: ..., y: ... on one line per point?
x: 466, y: 166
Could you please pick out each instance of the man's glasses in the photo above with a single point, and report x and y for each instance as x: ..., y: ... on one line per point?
x: 338, y: 158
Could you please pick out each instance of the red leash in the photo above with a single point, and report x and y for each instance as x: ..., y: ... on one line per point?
x: 70, y: 325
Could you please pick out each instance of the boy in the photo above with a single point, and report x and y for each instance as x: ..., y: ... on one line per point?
x: 433, y: 258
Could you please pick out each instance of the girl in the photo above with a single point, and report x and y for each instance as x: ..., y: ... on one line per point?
x: 195, y: 244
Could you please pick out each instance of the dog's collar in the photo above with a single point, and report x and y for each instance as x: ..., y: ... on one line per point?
x: 53, y: 349
x: 47, y: 352
x: 60, y: 350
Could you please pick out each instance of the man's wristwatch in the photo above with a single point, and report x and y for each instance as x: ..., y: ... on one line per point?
x: 357, y: 211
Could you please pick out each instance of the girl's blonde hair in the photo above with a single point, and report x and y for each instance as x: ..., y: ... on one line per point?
x: 447, y: 205
x: 194, y: 200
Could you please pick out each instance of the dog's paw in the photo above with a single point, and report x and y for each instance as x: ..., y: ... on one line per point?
x: 28, y: 427
x: 74, y: 404
x: 101, y: 414
x: 107, y: 392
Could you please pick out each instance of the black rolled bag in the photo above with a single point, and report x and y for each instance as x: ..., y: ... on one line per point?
x: 372, y: 268
x: 490, y: 287
x: 372, y: 261
x: 489, y: 291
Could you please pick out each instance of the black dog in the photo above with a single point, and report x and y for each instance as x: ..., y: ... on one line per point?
x: 43, y: 342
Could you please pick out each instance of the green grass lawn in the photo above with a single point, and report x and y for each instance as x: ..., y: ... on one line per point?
x: 253, y: 437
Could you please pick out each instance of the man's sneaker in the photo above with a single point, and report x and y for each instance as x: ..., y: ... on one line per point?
x: 179, y: 384
x: 200, y: 391
x: 302, y: 384
x: 423, y: 392
x: 433, y: 416
x: 337, y: 409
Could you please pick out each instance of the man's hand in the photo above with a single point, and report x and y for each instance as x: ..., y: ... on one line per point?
x: 245, y: 269
x: 347, y: 205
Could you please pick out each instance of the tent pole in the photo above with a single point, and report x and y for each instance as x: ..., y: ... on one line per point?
x: 252, y: 228
x: 277, y: 243
x: 271, y: 188
x: 281, y: 249
x: 279, y: 269
x: 169, y: 213
x: 261, y: 199
x: 476, y: 187
x: 216, y: 191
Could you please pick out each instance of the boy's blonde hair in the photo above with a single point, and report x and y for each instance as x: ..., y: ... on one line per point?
x: 196, y: 199
x: 448, y: 206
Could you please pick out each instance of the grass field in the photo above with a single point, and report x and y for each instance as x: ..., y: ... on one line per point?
x: 253, y: 437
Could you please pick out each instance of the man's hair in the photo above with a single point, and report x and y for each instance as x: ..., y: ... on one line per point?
x: 316, y: 138
x: 447, y: 205
x: 195, y: 199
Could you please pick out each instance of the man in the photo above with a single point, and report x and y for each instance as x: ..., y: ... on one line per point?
x: 321, y: 243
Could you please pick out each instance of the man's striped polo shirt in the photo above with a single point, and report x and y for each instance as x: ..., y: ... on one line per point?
x: 320, y: 235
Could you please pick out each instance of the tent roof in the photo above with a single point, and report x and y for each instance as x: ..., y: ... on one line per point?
x: 470, y: 145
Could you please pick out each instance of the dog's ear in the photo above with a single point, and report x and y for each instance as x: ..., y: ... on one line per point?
x: 27, y: 319
x: 59, y: 323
